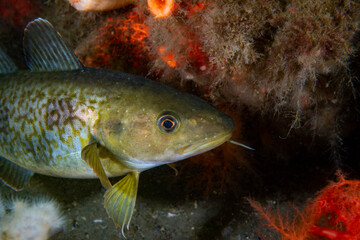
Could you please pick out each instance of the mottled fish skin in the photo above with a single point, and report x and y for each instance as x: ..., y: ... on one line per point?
x: 47, y: 118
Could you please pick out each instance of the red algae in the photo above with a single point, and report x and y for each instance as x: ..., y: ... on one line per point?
x: 180, y: 41
x: 18, y: 12
x: 167, y: 57
x: 117, y: 36
x: 161, y: 8
x: 137, y: 34
x: 333, y: 214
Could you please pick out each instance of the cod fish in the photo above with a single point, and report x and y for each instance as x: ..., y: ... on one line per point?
x: 66, y: 120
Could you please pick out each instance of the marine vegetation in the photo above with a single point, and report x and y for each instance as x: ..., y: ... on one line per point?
x: 333, y: 214
x: 18, y: 12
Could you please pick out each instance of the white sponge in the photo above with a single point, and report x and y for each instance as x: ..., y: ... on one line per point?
x: 30, y: 221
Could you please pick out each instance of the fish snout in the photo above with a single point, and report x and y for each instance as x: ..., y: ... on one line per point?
x: 228, y: 123
x: 224, y: 124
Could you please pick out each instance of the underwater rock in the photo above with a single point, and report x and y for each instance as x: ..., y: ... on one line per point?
x: 37, y: 220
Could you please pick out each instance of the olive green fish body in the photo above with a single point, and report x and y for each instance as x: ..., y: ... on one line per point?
x: 63, y: 119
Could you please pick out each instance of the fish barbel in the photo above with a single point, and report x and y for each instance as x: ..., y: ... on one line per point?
x: 63, y: 119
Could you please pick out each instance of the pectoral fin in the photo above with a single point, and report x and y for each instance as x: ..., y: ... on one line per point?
x: 90, y: 155
x: 13, y: 175
x: 120, y: 200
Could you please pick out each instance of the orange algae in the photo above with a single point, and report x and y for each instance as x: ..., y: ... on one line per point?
x: 167, y: 57
x: 118, y: 36
x: 19, y: 12
x: 133, y: 36
x: 161, y: 8
x: 332, y: 234
x: 333, y: 214
x: 187, y: 52
x: 180, y: 41
x: 197, y: 8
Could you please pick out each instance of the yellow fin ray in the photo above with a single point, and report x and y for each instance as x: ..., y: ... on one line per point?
x: 120, y: 200
x: 90, y: 155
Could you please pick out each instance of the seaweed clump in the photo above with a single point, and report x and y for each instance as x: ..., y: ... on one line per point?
x: 333, y: 214
x: 116, y: 40
x: 18, y: 12
x: 274, y: 57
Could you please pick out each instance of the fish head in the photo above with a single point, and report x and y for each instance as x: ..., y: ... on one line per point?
x: 162, y: 126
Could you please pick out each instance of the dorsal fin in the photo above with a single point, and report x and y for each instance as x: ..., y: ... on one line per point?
x: 45, y: 50
x: 6, y: 64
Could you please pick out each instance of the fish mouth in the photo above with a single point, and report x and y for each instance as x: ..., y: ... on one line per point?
x: 203, y: 145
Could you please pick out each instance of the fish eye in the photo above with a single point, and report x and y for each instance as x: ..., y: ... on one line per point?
x: 168, y: 123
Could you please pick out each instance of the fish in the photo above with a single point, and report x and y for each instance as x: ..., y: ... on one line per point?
x: 60, y: 118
